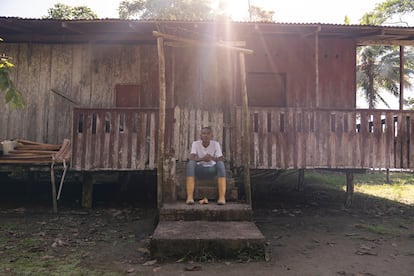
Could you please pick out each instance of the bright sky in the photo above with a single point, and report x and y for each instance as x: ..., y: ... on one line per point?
x: 287, y: 11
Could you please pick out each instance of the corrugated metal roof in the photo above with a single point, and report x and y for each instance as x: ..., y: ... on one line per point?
x: 13, y: 29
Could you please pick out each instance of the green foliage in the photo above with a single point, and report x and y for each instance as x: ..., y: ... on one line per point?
x: 62, y: 11
x: 259, y: 14
x: 389, y: 8
x: 347, y: 20
x: 166, y: 9
x: 11, y: 94
x: 378, y: 67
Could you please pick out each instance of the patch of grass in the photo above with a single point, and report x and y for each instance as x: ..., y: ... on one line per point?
x: 401, y: 188
x: 376, y: 229
x: 42, y: 264
x: 9, y: 227
x: 326, y: 178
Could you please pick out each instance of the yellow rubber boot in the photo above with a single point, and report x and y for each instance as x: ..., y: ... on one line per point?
x: 190, y: 190
x: 221, y: 191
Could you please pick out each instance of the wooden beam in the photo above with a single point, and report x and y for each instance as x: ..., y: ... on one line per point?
x: 396, y: 42
x: 202, y: 44
x: 161, y: 119
x: 245, y: 130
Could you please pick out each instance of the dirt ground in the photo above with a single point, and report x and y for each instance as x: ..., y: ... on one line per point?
x: 308, y: 233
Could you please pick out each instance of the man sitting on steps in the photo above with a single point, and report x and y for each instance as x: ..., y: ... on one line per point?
x: 206, y: 158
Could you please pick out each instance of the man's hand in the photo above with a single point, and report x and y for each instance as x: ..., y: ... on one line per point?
x: 207, y: 158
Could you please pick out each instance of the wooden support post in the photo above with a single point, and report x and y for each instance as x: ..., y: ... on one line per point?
x: 349, y: 189
x: 170, y: 193
x: 401, y: 77
x: 301, y: 180
x: 87, y: 191
x: 53, y: 182
x: 388, y: 176
x: 245, y: 132
x: 161, y: 120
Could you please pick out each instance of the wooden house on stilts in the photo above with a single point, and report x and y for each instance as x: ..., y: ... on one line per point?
x: 132, y: 95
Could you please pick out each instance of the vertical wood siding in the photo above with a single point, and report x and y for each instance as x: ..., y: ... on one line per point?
x: 85, y: 73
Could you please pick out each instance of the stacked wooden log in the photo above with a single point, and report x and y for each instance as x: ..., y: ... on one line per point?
x: 31, y: 152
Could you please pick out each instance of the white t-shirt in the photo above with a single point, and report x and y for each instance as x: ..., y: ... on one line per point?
x: 200, y: 151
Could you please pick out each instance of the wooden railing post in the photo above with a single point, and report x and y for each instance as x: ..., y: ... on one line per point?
x: 245, y: 130
x: 161, y: 120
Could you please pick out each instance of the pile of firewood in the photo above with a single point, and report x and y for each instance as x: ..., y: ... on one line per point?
x: 30, y: 152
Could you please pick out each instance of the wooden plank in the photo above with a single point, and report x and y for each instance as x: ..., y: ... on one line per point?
x: 274, y: 150
x: 133, y: 142
x: 281, y: 140
x: 152, y: 141
x: 299, y: 159
x: 40, y: 152
x: 99, y: 140
x: 89, y: 143
x: 176, y: 133
x: 332, y: 145
x: 143, y: 141
x: 107, y: 125
x: 237, y: 138
x: 379, y: 142
x: 411, y: 143
x: 398, y: 141
x: 127, y: 161
x: 388, y: 140
x: 363, y: 136
x: 291, y: 145
x: 405, y: 125
x: 263, y: 139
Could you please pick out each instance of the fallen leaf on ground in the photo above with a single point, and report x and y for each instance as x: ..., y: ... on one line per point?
x: 149, y: 263
x: 193, y: 268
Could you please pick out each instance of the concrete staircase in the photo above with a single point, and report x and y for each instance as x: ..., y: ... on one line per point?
x: 207, y: 231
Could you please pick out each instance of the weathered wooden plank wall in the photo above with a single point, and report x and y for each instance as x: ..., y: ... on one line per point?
x: 187, y: 128
x: 293, y: 57
x: 284, y: 138
x: 85, y: 73
x: 117, y: 139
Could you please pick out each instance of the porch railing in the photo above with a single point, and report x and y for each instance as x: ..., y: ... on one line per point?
x: 116, y: 138
x: 281, y: 138
x: 317, y: 138
x: 126, y: 138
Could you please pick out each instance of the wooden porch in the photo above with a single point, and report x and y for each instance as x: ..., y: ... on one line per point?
x: 280, y: 138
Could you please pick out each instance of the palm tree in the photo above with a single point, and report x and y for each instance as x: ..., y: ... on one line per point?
x: 378, y: 68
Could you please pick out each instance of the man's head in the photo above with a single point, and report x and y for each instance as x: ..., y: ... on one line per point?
x: 206, y: 134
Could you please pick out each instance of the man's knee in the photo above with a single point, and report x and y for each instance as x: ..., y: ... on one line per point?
x: 221, y: 169
x: 191, y: 165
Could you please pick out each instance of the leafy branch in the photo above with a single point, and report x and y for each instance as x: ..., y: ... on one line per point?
x: 11, y: 94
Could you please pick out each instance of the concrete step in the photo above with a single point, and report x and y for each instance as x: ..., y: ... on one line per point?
x: 231, y: 211
x: 215, y: 239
